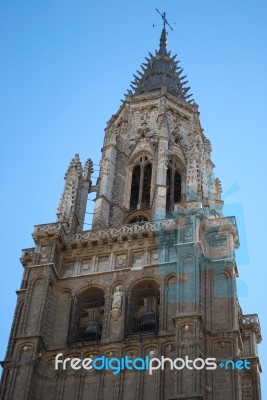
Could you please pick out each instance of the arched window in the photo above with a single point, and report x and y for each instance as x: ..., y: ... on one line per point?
x: 174, y: 185
x: 143, y: 309
x: 86, y: 316
x: 138, y: 219
x: 141, y: 184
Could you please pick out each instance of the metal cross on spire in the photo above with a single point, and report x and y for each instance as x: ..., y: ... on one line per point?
x: 165, y: 22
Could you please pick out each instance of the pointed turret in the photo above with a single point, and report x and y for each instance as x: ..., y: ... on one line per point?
x: 75, y: 166
x: 161, y: 71
x: 72, y: 205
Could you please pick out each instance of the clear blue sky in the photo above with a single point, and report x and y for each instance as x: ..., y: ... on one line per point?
x: 64, y: 67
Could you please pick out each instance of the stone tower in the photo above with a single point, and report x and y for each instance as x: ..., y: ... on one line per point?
x: 156, y: 275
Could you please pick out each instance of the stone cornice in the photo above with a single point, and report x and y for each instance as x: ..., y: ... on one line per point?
x: 132, y: 99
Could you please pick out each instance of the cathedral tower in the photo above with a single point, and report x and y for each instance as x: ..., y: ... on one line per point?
x: 154, y: 278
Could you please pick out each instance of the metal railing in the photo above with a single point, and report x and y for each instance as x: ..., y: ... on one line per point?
x: 142, y: 315
x: 86, y: 317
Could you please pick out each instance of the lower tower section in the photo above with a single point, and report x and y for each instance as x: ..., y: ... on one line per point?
x: 145, y: 291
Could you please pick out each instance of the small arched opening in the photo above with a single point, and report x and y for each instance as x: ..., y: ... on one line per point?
x: 138, y: 219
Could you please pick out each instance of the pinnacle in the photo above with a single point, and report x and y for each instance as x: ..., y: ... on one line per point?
x: 75, y: 165
x: 163, y: 42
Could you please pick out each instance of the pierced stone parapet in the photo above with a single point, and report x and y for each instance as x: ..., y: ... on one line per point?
x: 220, y: 222
x: 250, y: 319
x: 251, y: 322
x: 48, y: 228
x: 192, y: 205
x: 125, y: 230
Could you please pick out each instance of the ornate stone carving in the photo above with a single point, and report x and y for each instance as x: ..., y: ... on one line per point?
x: 120, y: 261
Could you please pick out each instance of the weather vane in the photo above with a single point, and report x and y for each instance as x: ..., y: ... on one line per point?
x: 165, y: 22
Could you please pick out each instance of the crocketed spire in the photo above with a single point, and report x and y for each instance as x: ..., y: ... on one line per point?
x: 75, y: 165
x: 161, y: 70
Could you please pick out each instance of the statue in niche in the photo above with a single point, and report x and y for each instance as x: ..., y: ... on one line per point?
x: 116, y: 307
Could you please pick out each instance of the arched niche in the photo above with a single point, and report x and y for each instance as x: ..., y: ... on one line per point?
x: 143, y: 308
x: 86, y: 317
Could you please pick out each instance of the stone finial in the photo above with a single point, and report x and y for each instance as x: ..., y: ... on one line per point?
x: 163, y: 42
x: 72, y: 204
x: 218, y: 189
x: 88, y: 169
x: 75, y: 165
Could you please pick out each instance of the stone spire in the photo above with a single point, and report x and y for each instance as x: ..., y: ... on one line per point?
x: 161, y: 70
x: 72, y: 205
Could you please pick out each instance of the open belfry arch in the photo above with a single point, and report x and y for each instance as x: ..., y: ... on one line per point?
x: 156, y: 274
